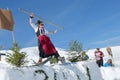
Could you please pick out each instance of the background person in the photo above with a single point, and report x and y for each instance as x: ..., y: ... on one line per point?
x: 99, y: 57
x: 108, y: 63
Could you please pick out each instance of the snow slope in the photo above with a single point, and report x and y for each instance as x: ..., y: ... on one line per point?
x: 84, y: 70
x: 109, y: 73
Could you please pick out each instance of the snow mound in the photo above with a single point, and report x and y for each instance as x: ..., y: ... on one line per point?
x: 84, y: 70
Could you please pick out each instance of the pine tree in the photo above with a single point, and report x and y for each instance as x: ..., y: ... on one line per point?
x: 53, y: 60
x: 16, y: 58
x: 77, y: 48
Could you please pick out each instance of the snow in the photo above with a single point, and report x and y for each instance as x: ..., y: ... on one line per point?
x: 67, y: 71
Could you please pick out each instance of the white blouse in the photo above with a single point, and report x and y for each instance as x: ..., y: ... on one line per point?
x: 35, y: 27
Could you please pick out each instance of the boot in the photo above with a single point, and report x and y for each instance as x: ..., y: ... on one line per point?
x: 39, y: 61
x: 62, y: 59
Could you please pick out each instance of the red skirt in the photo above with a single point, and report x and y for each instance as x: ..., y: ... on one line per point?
x: 47, y: 45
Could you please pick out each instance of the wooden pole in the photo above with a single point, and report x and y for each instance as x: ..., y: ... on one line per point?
x: 1, y: 47
x: 49, y: 22
x: 13, y: 37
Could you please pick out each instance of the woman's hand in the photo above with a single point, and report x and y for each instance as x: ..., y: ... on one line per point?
x: 31, y: 15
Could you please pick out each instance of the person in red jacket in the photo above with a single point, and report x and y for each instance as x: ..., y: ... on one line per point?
x: 45, y: 46
x: 99, y: 57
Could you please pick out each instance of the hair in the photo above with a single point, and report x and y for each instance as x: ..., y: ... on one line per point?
x: 98, y: 48
x: 39, y: 22
x: 110, y: 61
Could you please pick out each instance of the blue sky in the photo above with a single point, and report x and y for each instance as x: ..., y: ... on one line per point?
x: 94, y: 23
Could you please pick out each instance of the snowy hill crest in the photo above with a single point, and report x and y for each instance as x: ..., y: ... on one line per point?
x: 85, y: 70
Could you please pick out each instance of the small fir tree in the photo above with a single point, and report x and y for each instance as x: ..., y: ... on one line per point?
x: 53, y: 60
x: 77, y: 47
x: 16, y: 58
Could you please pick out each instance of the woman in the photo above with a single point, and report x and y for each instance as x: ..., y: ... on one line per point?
x: 99, y: 57
x: 45, y: 46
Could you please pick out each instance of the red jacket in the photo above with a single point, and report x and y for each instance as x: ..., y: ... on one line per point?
x: 99, y: 55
